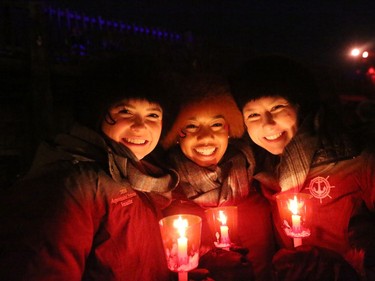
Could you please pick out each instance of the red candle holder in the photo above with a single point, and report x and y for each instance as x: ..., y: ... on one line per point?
x: 223, y: 225
x: 181, y: 236
x: 295, y: 210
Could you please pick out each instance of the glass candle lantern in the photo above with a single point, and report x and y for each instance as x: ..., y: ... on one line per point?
x: 223, y: 225
x: 181, y: 236
x: 295, y: 210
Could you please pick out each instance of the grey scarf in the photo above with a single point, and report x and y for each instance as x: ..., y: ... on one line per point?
x: 220, y: 185
x: 143, y: 176
x: 307, y: 150
x: 296, y: 160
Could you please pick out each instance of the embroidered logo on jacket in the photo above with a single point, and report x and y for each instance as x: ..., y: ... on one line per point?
x: 124, y: 198
x: 320, y: 188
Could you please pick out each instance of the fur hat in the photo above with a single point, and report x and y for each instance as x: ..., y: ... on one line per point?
x: 209, y: 94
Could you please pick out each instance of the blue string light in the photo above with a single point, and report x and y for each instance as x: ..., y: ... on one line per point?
x: 101, y: 23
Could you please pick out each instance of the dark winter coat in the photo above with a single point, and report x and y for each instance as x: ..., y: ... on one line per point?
x: 341, y: 179
x: 76, y: 216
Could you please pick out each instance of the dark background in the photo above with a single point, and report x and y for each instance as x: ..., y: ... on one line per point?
x: 322, y: 31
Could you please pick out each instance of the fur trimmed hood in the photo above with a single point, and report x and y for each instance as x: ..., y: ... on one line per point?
x: 217, y: 104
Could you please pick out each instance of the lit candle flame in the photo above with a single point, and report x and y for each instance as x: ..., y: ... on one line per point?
x: 224, y: 234
x: 294, y: 205
x: 181, y: 225
x: 222, y: 218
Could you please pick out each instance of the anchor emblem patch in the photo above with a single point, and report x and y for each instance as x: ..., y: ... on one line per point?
x: 320, y: 188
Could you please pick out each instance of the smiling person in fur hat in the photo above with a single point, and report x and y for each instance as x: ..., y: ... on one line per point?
x: 215, y: 170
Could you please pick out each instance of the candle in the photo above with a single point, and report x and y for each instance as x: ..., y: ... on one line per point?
x: 182, y: 276
x: 181, y: 225
x: 182, y: 250
x: 224, y: 234
x: 224, y: 229
x: 296, y: 223
x: 293, y: 206
x: 295, y: 212
x: 181, y: 236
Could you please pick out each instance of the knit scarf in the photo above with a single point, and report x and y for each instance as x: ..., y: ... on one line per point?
x: 142, y: 175
x: 295, y: 161
x: 84, y: 144
x: 307, y: 150
x: 218, y: 185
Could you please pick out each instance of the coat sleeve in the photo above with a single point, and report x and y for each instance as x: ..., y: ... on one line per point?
x: 367, y: 179
x: 361, y: 229
x: 50, y: 226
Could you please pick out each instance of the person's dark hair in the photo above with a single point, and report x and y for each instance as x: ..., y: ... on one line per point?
x: 123, y: 77
x: 275, y: 75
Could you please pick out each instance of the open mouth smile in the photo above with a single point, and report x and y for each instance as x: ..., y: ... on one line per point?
x: 135, y: 141
x: 206, y: 151
x: 273, y: 137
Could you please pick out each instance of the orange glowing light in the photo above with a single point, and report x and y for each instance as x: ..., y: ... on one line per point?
x: 181, y: 225
x: 294, y: 205
x: 355, y: 52
x: 224, y: 229
x: 182, y: 241
x: 222, y: 218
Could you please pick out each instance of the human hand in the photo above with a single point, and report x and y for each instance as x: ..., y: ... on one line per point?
x: 311, y: 263
x: 199, y: 274
x: 228, y: 265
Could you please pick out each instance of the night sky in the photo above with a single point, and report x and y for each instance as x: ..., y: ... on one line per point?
x: 317, y: 31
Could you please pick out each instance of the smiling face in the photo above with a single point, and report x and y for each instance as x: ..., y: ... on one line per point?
x: 271, y: 122
x: 206, y: 138
x: 136, y: 124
